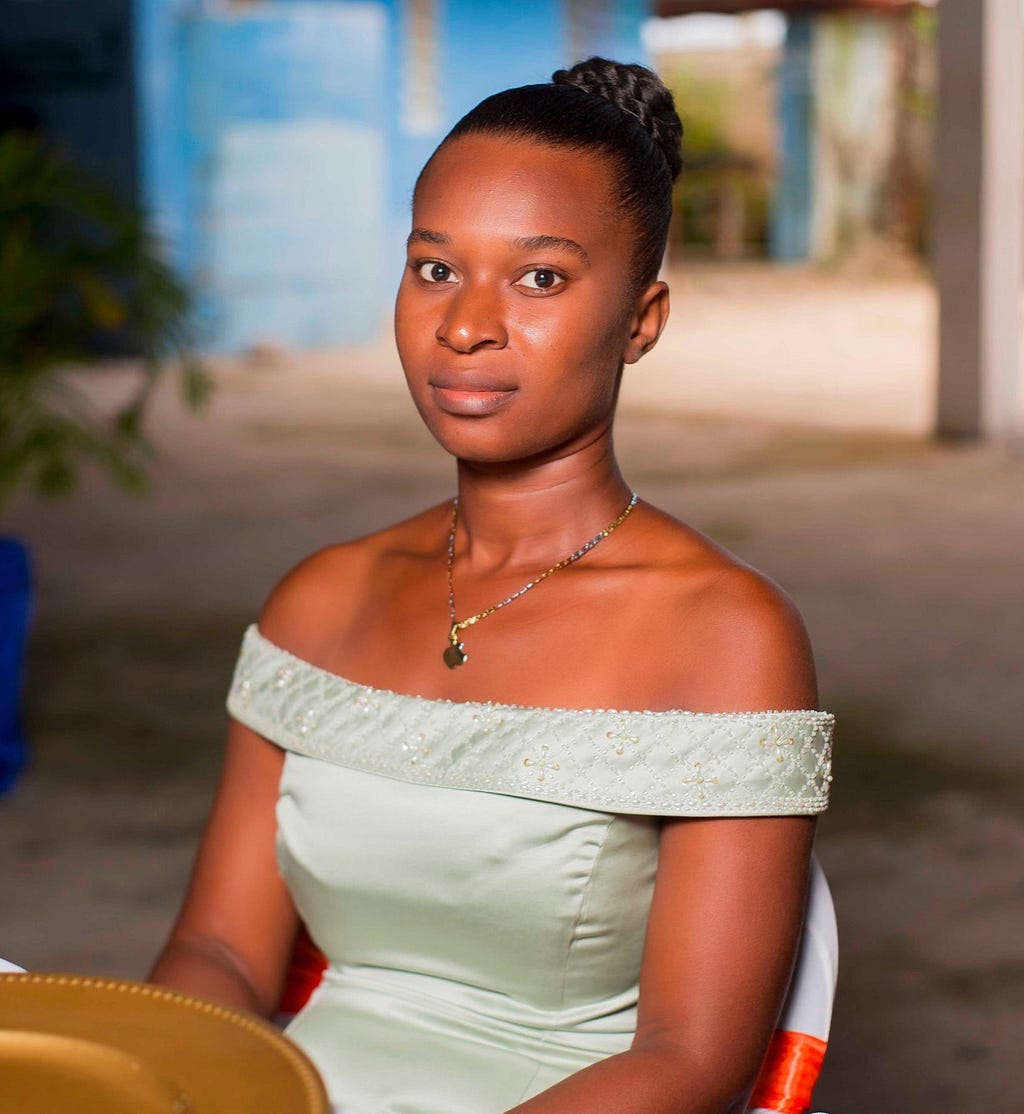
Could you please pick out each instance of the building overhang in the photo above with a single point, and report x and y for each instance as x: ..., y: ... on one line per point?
x: 668, y: 8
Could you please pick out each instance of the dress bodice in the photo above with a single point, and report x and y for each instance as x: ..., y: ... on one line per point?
x: 479, y: 875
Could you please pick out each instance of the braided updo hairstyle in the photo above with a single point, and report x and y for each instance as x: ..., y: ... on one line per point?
x: 622, y: 111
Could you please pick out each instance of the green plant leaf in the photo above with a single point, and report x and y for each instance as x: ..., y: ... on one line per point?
x: 79, y: 266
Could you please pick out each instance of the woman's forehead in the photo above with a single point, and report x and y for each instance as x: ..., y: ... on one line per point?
x: 495, y: 190
x: 526, y: 187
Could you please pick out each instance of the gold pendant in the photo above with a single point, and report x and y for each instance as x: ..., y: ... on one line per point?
x: 456, y: 654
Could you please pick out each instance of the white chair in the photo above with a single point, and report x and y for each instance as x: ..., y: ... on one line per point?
x: 794, y: 1058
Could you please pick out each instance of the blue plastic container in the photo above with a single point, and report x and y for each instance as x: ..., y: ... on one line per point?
x: 15, y: 615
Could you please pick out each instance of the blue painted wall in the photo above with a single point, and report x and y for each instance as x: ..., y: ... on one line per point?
x: 277, y: 153
x: 285, y: 112
x: 160, y: 109
x: 267, y: 165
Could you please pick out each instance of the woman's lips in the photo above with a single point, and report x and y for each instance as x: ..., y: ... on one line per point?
x: 470, y: 402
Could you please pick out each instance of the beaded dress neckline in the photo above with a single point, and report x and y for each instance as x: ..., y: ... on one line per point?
x: 678, y: 763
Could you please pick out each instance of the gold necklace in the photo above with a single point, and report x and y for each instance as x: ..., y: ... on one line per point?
x: 455, y: 653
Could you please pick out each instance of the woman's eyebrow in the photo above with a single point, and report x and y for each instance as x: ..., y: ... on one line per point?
x: 521, y: 243
x: 547, y: 243
x: 427, y: 236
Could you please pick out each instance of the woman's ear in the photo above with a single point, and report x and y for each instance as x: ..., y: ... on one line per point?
x: 648, y: 320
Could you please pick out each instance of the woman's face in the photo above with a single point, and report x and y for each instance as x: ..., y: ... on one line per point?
x: 516, y: 308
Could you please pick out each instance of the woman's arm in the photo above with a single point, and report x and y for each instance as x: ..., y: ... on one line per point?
x: 728, y: 902
x: 237, y: 926
x: 236, y: 931
x: 722, y: 935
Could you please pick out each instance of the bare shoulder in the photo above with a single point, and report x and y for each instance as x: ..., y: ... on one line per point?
x: 756, y: 644
x: 314, y: 603
x: 742, y: 638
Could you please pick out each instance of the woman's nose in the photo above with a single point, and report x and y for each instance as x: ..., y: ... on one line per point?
x: 474, y: 319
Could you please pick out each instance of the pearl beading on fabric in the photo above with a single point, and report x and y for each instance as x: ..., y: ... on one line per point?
x: 674, y: 763
x: 542, y: 763
x: 621, y: 736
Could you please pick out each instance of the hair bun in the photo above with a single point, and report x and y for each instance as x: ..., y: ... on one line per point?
x: 638, y: 92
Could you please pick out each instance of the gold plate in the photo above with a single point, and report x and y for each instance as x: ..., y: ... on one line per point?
x: 107, y: 1046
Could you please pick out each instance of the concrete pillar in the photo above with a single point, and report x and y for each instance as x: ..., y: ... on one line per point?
x: 790, y: 231
x: 978, y: 222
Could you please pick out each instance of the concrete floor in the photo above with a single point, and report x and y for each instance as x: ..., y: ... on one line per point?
x: 904, y: 558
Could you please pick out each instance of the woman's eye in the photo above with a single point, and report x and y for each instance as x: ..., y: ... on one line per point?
x: 434, y: 272
x: 540, y: 278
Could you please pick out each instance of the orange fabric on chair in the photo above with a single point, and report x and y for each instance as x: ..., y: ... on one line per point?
x: 304, y: 973
x: 789, y: 1072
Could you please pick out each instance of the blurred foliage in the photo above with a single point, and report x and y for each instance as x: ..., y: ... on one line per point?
x: 918, y: 101
x: 717, y: 175
x: 81, y: 274
x: 925, y: 24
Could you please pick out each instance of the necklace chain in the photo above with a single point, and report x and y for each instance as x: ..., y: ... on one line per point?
x: 455, y: 654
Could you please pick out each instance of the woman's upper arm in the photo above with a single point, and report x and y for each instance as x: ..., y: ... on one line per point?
x: 729, y: 894
x: 238, y: 915
x: 237, y: 905
x: 722, y: 933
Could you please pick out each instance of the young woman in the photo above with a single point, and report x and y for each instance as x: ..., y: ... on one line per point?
x: 528, y: 904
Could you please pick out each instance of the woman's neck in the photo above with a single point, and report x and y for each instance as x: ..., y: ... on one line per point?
x: 534, y: 516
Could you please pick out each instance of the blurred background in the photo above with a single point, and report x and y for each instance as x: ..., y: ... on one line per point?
x: 202, y: 210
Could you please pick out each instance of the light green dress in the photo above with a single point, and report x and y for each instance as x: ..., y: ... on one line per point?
x: 479, y: 875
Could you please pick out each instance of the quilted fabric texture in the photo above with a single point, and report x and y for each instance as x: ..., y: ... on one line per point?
x: 673, y: 763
